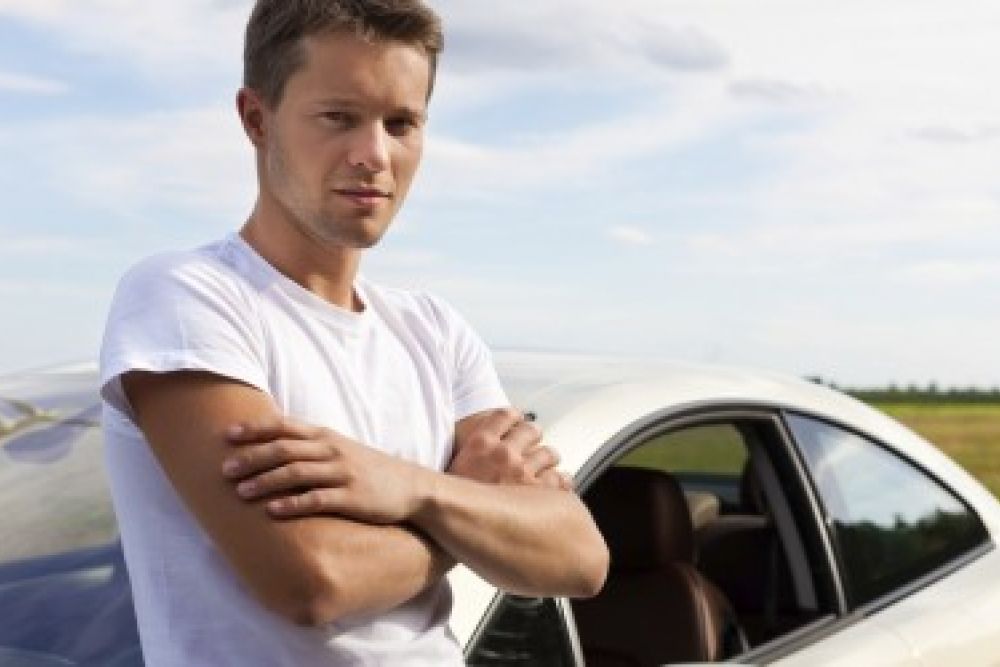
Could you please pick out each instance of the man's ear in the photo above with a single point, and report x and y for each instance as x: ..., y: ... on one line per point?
x: 251, y: 109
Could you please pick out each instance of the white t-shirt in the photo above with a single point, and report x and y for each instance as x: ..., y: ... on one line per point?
x: 396, y: 376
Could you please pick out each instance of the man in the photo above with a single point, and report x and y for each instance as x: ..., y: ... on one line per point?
x: 297, y: 455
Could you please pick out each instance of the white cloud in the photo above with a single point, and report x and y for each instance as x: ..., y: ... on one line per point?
x: 18, y: 245
x: 589, y: 36
x: 778, y: 92
x: 194, y: 161
x: 31, y: 290
x: 828, y: 235
x: 950, y: 134
x: 169, y: 41
x: 630, y: 235
x: 12, y: 82
x: 588, y: 155
x: 879, y: 349
x: 948, y: 273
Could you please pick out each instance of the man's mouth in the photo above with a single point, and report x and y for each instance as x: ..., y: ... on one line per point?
x: 374, y: 193
x: 363, y: 196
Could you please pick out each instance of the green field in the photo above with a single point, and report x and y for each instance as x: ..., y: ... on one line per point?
x: 969, y: 433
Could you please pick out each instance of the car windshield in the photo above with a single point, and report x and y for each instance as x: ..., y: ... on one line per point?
x: 52, y: 485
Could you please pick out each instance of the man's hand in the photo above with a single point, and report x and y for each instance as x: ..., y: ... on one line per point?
x: 306, y: 470
x: 503, y: 447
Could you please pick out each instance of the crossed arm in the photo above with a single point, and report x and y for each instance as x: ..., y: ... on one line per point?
x: 320, y: 527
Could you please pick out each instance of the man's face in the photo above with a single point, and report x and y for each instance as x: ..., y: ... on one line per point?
x: 341, y: 148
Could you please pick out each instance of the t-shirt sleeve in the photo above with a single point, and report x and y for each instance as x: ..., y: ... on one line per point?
x: 172, y: 314
x: 475, y: 384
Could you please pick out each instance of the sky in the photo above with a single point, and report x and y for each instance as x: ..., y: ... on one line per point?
x: 804, y: 186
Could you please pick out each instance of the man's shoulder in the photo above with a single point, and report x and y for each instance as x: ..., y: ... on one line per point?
x: 208, y: 263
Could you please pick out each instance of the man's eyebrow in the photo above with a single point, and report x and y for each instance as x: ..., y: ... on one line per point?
x: 337, y: 101
x: 348, y: 103
x: 408, y: 112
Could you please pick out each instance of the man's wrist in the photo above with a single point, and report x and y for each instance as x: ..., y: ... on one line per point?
x: 425, y: 491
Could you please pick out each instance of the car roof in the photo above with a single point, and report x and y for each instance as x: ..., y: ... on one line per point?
x: 608, y: 393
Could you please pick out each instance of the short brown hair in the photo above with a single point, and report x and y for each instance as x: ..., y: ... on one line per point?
x: 273, y: 49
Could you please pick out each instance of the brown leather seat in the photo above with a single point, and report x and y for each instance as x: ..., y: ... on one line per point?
x: 655, y: 607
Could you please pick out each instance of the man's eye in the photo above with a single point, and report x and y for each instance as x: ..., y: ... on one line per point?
x: 399, y: 127
x: 339, y: 118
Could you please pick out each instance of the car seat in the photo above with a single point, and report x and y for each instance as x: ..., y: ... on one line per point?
x: 656, y: 607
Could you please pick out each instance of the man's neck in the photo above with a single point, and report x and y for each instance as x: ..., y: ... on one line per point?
x: 326, y: 270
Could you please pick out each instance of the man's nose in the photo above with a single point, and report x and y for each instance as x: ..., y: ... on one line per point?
x: 370, y: 147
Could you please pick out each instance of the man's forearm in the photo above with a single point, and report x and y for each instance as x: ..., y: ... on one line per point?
x: 373, y: 568
x: 530, y: 540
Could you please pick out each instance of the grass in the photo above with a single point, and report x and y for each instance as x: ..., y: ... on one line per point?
x: 968, y: 433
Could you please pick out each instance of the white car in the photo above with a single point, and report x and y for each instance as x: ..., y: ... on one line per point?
x: 751, y: 517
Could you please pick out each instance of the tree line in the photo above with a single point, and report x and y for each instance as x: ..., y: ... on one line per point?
x: 913, y: 393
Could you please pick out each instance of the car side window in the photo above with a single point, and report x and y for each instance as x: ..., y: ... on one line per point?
x: 707, y: 458
x: 891, y: 522
x: 708, y: 448
x: 522, y: 631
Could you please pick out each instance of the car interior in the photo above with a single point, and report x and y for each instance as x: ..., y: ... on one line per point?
x: 708, y: 559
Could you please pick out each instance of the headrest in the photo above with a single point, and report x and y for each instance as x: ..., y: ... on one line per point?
x: 704, y: 508
x: 643, y: 517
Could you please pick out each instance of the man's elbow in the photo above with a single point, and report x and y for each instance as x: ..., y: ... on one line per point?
x: 313, y: 610
x: 311, y: 597
x: 593, y: 571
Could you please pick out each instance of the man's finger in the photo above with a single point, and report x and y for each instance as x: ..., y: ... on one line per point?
x: 253, y: 458
x: 270, y: 429
x: 495, y: 422
x: 540, y: 459
x: 522, y: 437
x: 290, y: 478
x: 566, y: 482
x: 552, y: 479
x: 316, y: 501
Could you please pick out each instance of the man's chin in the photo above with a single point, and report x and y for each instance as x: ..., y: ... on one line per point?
x: 360, y: 239
x: 359, y: 236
